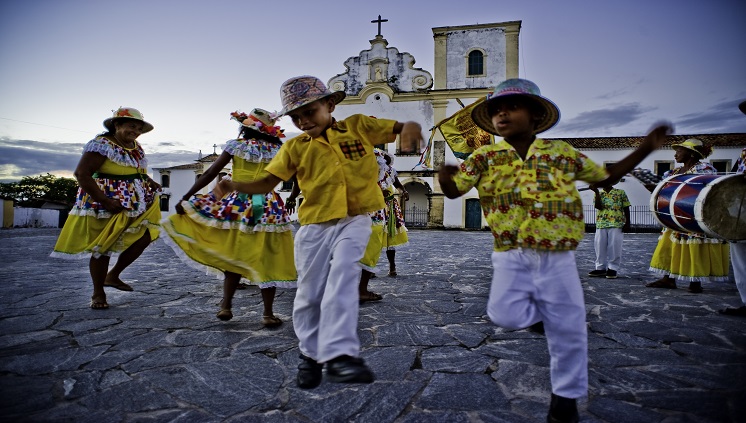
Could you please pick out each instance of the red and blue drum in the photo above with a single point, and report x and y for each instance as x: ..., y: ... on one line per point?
x: 713, y: 205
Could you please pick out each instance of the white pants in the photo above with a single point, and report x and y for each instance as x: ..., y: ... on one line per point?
x: 325, y: 311
x: 738, y: 260
x: 608, y: 245
x: 529, y: 286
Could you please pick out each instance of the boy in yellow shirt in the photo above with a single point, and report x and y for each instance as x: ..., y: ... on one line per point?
x: 337, y: 172
x: 527, y: 192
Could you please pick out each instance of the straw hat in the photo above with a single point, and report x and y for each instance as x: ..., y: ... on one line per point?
x: 301, y: 90
x: 518, y: 87
x: 259, y: 120
x: 127, y: 113
x: 694, y: 145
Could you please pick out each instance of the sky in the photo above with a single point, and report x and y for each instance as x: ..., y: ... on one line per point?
x: 614, y: 67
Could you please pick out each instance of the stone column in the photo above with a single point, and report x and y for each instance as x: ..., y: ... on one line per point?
x: 511, y: 50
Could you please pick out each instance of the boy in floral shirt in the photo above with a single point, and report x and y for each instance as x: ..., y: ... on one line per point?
x: 612, y: 220
x: 526, y: 188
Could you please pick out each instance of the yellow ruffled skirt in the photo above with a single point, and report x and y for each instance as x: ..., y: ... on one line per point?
x: 261, y: 253
x: 91, y: 234
x: 691, y: 258
x: 373, y: 250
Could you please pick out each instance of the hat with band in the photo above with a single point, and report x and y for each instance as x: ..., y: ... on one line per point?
x: 694, y: 145
x: 516, y: 87
x: 301, y: 90
x: 127, y: 113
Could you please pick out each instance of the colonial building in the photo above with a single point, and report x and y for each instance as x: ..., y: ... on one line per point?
x: 469, y: 61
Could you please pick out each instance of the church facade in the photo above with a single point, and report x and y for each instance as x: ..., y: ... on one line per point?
x: 469, y: 61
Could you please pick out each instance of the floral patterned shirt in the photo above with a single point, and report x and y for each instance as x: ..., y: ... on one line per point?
x: 532, y: 203
x: 612, y: 215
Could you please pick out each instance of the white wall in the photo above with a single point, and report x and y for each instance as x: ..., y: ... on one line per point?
x: 35, y: 218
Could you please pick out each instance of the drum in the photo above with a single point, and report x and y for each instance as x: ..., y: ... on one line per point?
x: 713, y: 205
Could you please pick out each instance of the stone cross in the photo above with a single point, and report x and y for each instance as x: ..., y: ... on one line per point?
x: 379, y: 20
x: 214, y: 146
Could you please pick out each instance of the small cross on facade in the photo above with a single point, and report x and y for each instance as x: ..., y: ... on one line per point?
x: 379, y: 20
x: 214, y: 147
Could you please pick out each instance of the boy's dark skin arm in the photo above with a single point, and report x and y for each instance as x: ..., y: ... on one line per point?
x: 445, y: 177
x: 652, y: 141
x: 260, y: 186
x: 597, y: 199
x: 626, y: 227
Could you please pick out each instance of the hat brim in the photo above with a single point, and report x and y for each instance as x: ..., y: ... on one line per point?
x: 687, y: 147
x: 481, y: 117
x: 109, y: 124
x: 337, y: 96
x: 742, y: 107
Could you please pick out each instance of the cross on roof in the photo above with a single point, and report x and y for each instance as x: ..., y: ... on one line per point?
x: 214, y: 146
x: 379, y: 20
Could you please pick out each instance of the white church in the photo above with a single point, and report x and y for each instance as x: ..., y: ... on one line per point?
x: 469, y: 62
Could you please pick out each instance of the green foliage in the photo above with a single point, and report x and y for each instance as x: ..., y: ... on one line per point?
x: 34, y: 191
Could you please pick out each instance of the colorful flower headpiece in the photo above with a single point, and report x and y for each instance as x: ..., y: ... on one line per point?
x: 260, y: 120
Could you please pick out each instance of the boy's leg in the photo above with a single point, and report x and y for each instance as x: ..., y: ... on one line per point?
x: 312, y: 257
x: 337, y: 330
x: 562, y: 307
x: 616, y: 238
x: 600, y: 242
x: 511, y: 303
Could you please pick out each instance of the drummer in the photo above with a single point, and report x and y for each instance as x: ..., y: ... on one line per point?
x: 738, y: 249
x: 689, y: 256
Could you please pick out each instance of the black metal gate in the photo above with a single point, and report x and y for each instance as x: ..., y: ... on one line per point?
x: 415, y: 217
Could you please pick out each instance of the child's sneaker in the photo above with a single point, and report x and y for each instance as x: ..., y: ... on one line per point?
x: 611, y: 274
x: 598, y: 273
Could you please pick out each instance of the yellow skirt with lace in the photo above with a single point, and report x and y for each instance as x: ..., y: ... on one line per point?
x: 373, y: 250
x: 691, y: 258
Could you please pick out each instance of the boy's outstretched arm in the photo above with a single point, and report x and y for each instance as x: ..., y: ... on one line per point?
x: 260, y: 186
x: 445, y: 177
x: 411, y: 136
x: 652, y: 141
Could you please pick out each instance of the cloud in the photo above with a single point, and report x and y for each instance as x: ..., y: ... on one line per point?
x: 19, y: 158
x: 723, y: 117
x: 593, y: 121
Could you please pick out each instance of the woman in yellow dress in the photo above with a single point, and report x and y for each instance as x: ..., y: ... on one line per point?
x: 689, y: 257
x: 395, y: 233
x: 117, y: 208
x: 239, y: 236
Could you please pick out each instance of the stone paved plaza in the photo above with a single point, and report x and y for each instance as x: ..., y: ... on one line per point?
x: 160, y: 355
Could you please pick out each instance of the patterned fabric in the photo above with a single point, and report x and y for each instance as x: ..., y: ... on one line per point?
x: 532, y: 203
x: 90, y: 229
x: 741, y: 162
x: 689, y: 256
x: 612, y: 215
x: 224, y: 235
x: 335, y: 186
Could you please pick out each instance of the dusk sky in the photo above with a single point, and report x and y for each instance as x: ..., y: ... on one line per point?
x: 612, y: 67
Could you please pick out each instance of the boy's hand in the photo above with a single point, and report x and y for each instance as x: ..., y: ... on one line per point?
x: 446, y: 172
x: 445, y: 177
x: 657, y: 136
x: 411, y: 137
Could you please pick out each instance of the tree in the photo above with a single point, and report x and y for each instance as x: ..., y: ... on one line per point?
x: 34, y: 191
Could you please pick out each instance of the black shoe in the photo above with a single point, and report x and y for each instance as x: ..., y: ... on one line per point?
x: 563, y: 410
x: 309, y: 373
x: 599, y: 273
x: 611, y: 274
x: 730, y: 311
x: 346, y: 369
x: 537, y: 327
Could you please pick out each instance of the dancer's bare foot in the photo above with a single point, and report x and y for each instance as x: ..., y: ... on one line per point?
x: 117, y: 283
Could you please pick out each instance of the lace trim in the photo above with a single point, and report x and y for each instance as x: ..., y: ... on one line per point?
x: 209, y: 270
x: 255, y: 151
x: 131, y: 158
x: 238, y: 225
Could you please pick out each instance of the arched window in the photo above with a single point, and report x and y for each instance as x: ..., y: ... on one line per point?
x: 475, y: 63
x: 165, y: 181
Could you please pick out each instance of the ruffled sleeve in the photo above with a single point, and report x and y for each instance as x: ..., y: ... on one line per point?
x: 254, y: 151
x: 134, y: 157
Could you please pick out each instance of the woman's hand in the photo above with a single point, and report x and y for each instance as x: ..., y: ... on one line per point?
x: 112, y: 205
x: 405, y: 195
x: 222, y: 188
x: 179, y: 208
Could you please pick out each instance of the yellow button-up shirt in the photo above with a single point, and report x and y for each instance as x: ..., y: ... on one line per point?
x: 338, y: 177
x: 531, y: 203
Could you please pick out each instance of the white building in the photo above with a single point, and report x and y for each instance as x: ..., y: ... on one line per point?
x: 469, y: 62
